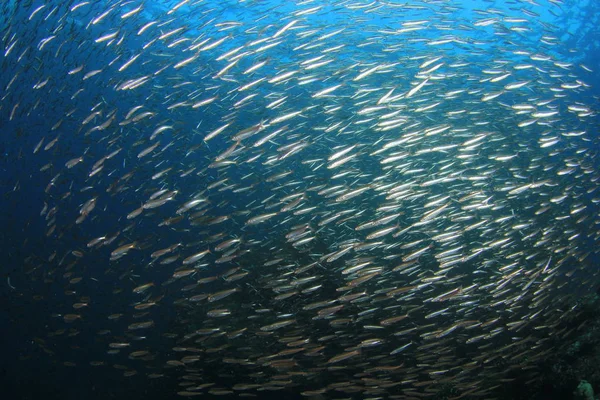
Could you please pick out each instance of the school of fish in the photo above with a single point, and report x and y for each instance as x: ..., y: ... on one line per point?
x: 331, y: 199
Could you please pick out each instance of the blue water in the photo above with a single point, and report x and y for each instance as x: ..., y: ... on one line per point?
x: 34, y: 291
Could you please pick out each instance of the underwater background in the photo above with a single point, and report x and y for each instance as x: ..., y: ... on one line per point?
x: 299, y: 199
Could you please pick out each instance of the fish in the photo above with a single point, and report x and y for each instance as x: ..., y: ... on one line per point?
x: 244, y: 197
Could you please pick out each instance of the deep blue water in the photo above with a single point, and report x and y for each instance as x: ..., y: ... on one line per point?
x: 34, y: 289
